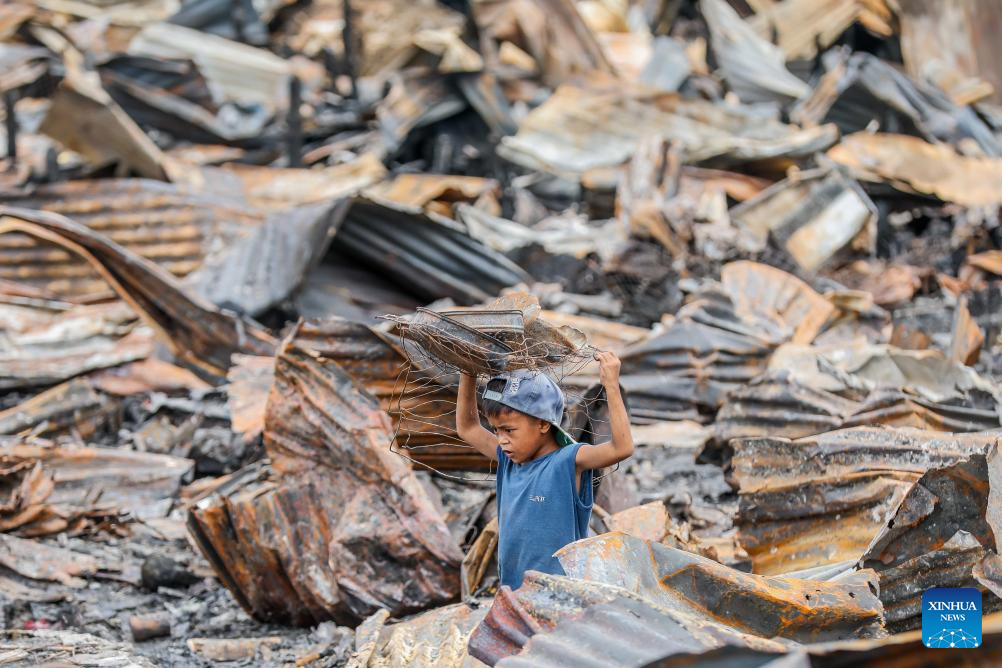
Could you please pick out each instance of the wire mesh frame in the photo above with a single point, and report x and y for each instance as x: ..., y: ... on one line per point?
x: 420, y: 410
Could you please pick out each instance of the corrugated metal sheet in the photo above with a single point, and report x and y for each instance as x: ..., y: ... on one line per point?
x: 956, y: 35
x: 341, y: 527
x: 578, y: 129
x: 159, y: 221
x: 805, y: 610
x: 40, y: 347
x: 912, y: 165
x: 626, y: 601
x: 435, y: 638
x: 899, y: 408
x: 429, y: 255
x: 685, y: 372
x: 776, y: 405
x: 372, y: 358
x: 199, y: 334
x: 822, y: 499
x: 902, y: 649
x: 937, y: 536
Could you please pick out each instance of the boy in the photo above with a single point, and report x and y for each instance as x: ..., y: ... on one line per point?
x: 544, y: 478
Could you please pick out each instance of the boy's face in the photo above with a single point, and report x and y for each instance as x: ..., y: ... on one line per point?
x: 520, y: 436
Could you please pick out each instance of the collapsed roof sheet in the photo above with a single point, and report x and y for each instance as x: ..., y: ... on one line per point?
x: 578, y: 129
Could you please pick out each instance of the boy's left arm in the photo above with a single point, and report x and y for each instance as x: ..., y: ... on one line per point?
x: 621, y: 446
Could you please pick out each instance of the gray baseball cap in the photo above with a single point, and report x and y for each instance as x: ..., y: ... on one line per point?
x: 533, y: 393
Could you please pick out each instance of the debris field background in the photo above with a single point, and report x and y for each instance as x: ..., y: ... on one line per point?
x: 246, y: 245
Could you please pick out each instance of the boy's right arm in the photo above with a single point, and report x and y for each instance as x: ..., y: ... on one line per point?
x: 468, y: 419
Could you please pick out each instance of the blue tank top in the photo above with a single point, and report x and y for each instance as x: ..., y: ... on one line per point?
x: 539, y: 511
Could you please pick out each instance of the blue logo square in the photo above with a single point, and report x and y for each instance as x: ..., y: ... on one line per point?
x: 951, y: 618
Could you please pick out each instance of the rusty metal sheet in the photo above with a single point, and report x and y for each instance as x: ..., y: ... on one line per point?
x: 236, y: 71
x: 753, y: 67
x: 416, y: 98
x: 966, y: 338
x: 776, y: 405
x: 768, y: 607
x: 804, y: 26
x: 338, y: 525
x: 109, y: 136
x: 821, y: 500
x: 278, y: 189
x: 861, y: 88
x: 426, y: 254
x: 199, y: 334
x: 912, y: 165
x: 552, y: 32
x: 952, y: 37
x: 41, y: 347
x: 623, y: 632
x: 164, y: 223
x: 901, y: 408
x: 775, y: 301
x: 422, y: 412
x: 815, y: 216
x: 264, y: 267
x: 434, y: 638
x: 59, y: 484
x: 389, y: 32
x: 437, y: 192
x: 248, y: 383
x: 148, y: 375
x: 578, y: 129
x: 563, y: 606
x: 935, y: 538
x: 861, y: 366
x: 70, y: 407
x: 686, y: 372
x: 619, y: 589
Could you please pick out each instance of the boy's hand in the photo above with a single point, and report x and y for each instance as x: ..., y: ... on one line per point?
x: 608, y: 364
x: 621, y: 446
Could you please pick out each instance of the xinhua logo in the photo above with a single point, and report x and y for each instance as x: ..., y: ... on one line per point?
x: 951, y: 618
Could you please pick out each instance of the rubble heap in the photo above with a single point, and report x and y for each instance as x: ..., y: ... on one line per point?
x: 246, y: 247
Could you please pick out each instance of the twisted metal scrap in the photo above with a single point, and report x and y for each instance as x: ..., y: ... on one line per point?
x: 485, y: 343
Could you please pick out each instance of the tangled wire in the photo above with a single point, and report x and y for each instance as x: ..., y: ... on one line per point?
x: 485, y: 343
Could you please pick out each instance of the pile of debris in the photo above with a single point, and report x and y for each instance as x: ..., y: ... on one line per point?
x: 234, y: 233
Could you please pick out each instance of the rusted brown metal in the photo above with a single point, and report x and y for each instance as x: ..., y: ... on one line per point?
x: 776, y: 405
x: 42, y: 346
x: 571, y: 132
x: 164, y: 223
x: 70, y: 407
x: 109, y: 136
x: 338, y: 525
x: 52, y: 486
x: 936, y: 537
x: 423, y: 417
x: 900, y: 649
x: 620, y: 587
x: 821, y: 500
x: 912, y: 165
x: 199, y: 334
x: 898, y: 408
x: 434, y: 638
x: 802, y: 610
x: 815, y: 216
x: 685, y: 373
